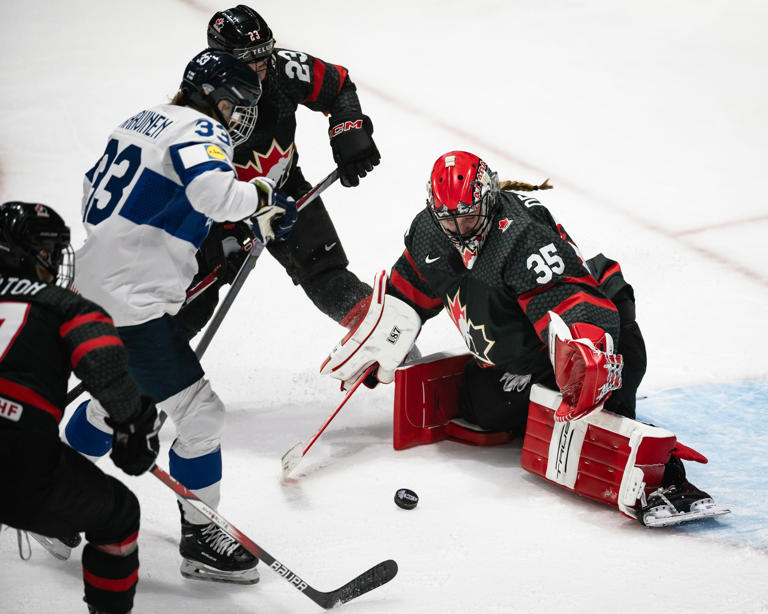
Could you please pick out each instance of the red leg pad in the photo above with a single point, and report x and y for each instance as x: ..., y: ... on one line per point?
x: 427, y: 399
x: 604, y: 456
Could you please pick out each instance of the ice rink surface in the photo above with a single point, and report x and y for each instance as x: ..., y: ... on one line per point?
x: 652, y: 122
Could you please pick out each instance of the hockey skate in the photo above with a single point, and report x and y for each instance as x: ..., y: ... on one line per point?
x: 59, y: 548
x: 208, y: 553
x: 677, y: 503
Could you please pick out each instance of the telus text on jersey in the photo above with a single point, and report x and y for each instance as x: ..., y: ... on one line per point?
x: 16, y: 286
x: 148, y: 123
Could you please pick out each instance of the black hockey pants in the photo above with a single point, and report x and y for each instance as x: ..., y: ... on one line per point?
x: 50, y: 489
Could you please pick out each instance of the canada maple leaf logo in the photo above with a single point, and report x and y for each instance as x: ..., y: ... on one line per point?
x: 275, y: 164
x: 474, y: 336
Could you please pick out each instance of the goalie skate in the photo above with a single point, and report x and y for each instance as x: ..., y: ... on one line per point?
x: 58, y: 548
x: 674, y: 505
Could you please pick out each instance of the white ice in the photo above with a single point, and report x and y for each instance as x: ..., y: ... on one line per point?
x: 651, y: 119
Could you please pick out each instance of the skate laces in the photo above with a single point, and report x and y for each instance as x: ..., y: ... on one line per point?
x: 661, y: 493
x: 218, y: 540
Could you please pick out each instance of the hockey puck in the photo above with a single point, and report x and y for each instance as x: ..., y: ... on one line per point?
x: 406, y: 498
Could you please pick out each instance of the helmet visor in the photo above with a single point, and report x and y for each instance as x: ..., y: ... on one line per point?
x: 255, y: 53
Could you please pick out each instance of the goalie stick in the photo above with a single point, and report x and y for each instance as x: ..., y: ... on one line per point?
x: 367, y: 581
x: 291, y: 459
x: 254, y: 251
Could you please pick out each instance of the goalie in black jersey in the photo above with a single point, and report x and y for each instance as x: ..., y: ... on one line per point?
x: 532, y: 311
x: 46, y: 332
x: 312, y: 254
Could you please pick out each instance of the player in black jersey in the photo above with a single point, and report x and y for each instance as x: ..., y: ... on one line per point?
x: 530, y: 308
x: 312, y: 254
x: 46, y: 332
x: 500, y: 264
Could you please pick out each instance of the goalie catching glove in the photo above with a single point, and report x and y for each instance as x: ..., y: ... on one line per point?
x: 586, y: 370
x: 383, y: 336
x: 276, y: 213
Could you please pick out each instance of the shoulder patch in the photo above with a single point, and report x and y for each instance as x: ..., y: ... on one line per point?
x: 214, y: 151
x: 200, y: 153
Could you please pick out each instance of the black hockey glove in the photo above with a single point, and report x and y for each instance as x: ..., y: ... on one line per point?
x: 135, y: 444
x: 222, y: 251
x: 353, y: 148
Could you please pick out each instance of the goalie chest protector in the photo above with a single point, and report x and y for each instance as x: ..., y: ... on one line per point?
x: 604, y: 456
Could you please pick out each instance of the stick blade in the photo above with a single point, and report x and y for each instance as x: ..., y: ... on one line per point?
x: 375, y: 577
x: 292, y: 458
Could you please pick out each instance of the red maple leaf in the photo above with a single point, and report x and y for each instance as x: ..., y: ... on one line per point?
x: 274, y: 164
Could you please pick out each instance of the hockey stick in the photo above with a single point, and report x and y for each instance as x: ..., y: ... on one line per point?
x: 292, y: 457
x: 250, y: 261
x: 254, y: 250
x: 367, y: 581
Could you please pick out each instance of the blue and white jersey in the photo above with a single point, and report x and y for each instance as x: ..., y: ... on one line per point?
x: 148, y: 202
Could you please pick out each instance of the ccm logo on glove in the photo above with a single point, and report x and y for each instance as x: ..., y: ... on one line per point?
x: 344, y: 127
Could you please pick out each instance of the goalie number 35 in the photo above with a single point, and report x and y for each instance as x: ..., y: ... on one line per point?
x: 544, y: 263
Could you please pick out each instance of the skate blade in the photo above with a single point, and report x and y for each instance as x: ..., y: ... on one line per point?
x: 55, y: 548
x: 200, y: 571
x: 670, y: 520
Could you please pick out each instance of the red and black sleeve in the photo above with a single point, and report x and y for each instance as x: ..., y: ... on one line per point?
x: 548, y: 275
x: 317, y: 84
x: 97, y: 356
x: 407, y: 284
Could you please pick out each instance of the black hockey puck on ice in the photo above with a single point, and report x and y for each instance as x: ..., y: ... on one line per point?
x: 406, y: 498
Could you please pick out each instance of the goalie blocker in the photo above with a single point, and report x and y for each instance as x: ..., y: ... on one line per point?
x: 604, y: 456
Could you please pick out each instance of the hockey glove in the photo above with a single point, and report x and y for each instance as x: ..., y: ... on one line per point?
x: 135, y: 444
x: 353, y: 148
x: 383, y: 336
x: 222, y: 251
x: 276, y: 213
x: 585, y: 374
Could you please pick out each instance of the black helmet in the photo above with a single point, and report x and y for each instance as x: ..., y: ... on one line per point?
x: 242, y: 32
x: 212, y: 76
x: 33, y: 235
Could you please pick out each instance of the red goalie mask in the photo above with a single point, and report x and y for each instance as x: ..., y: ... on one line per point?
x: 462, y: 198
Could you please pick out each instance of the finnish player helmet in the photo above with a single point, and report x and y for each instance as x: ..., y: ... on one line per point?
x: 34, y: 235
x: 242, y: 32
x: 214, y: 75
x: 463, y: 195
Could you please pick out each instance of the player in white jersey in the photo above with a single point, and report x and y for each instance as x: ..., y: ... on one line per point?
x: 166, y: 174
